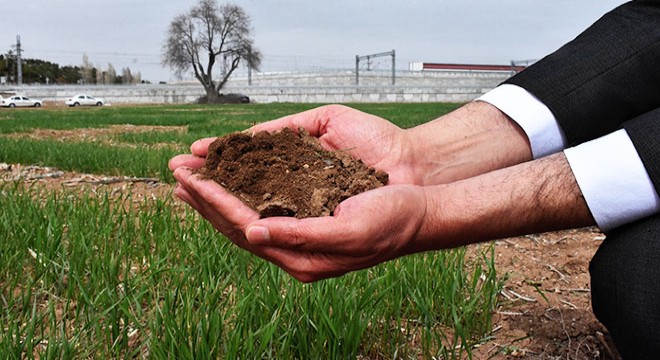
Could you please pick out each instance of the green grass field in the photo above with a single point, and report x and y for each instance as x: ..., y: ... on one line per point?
x: 98, y: 275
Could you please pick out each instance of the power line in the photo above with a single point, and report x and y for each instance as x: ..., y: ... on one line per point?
x: 103, y: 53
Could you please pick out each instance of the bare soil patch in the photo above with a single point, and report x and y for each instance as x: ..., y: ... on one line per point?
x: 545, y: 306
x: 103, y: 135
x: 52, y: 179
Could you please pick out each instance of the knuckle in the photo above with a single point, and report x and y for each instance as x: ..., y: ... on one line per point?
x: 294, y: 237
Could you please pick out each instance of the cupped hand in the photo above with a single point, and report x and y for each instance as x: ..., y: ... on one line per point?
x: 375, y: 141
x: 365, y: 230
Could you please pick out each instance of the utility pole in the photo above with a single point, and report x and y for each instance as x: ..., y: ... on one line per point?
x: 19, y: 61
x: 359, y: 58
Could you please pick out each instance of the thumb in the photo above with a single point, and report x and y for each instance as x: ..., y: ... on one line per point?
x: 257, y: 235
x: 320, y: 234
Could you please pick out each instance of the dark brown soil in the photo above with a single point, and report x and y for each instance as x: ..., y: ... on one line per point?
x: 287, y: 173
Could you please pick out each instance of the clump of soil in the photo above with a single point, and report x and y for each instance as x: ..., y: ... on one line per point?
x: 287, y: 173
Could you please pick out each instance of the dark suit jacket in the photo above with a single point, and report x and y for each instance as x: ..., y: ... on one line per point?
x: 606, y: 79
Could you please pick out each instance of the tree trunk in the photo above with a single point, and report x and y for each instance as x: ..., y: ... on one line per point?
x: 212, y: 96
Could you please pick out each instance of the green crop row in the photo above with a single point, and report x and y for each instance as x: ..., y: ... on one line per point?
x: 87, y: 157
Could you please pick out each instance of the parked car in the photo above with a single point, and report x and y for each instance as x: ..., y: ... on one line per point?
x: 18, y: 100
x: 233, y: 98
x: 83, y: 100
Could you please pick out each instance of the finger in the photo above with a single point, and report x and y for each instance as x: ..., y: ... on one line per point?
x: 190, y: 161
x: 327, y: 234
x: 303, y: 266
x: 206, y: 211
x: 293, y: 262
x: 232, y: 229
x: 183, y: 194
x: 201, y: 146
x: 183, y: 191
x: 219, y: 199
x: 313, y: 121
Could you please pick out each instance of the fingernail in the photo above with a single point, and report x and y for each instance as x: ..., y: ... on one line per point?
x: 257, y: 235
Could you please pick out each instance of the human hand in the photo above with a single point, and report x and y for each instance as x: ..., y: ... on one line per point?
x: 376, y: 141
x: 365, y: 230
x: 396, y: 220
x: 475, y: 139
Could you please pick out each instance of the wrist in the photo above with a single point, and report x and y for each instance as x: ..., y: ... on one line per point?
x: 472, y: 140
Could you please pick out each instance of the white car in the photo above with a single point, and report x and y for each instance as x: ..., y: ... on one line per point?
x: 82, y: 99
x: 18, y: 100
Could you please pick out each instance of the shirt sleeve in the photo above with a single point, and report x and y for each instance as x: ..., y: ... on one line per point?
x: 608, y: 170
x: 613, y: 180
x: 545, y: 135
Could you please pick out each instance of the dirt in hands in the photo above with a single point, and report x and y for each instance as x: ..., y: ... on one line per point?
x: 286, y: 173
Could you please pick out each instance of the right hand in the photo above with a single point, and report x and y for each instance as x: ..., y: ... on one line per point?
x: 474, y: 139
x: 376, y: 141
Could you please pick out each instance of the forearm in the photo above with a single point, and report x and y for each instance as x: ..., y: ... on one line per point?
x: 472, y: 140
x: 533, y: 197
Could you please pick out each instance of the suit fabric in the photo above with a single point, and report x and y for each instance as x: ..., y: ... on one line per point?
x: 606, y: 79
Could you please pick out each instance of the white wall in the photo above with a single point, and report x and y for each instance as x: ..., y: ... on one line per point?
x: 326, y: 87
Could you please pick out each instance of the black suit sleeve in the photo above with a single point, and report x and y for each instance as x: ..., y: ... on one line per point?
x: 644, y: 131
x: 607, y: 75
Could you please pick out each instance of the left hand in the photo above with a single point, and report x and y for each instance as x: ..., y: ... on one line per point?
x: 366, y: 229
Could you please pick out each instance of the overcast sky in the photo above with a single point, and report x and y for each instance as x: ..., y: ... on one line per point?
x: 298, y: 34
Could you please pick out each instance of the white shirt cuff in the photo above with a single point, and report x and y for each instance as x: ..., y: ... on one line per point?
x: 543, y: 131
x: 613, y: 180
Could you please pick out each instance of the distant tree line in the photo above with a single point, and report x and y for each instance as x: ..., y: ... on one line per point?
x: 36, y: 71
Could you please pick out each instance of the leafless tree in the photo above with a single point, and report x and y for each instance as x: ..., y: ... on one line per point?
x: 126, y: 76
x: 87, y: 71
x: 110, y: 75
x: 206, y: 35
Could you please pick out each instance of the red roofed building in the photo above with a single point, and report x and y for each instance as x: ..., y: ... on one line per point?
x: 422, y: 66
